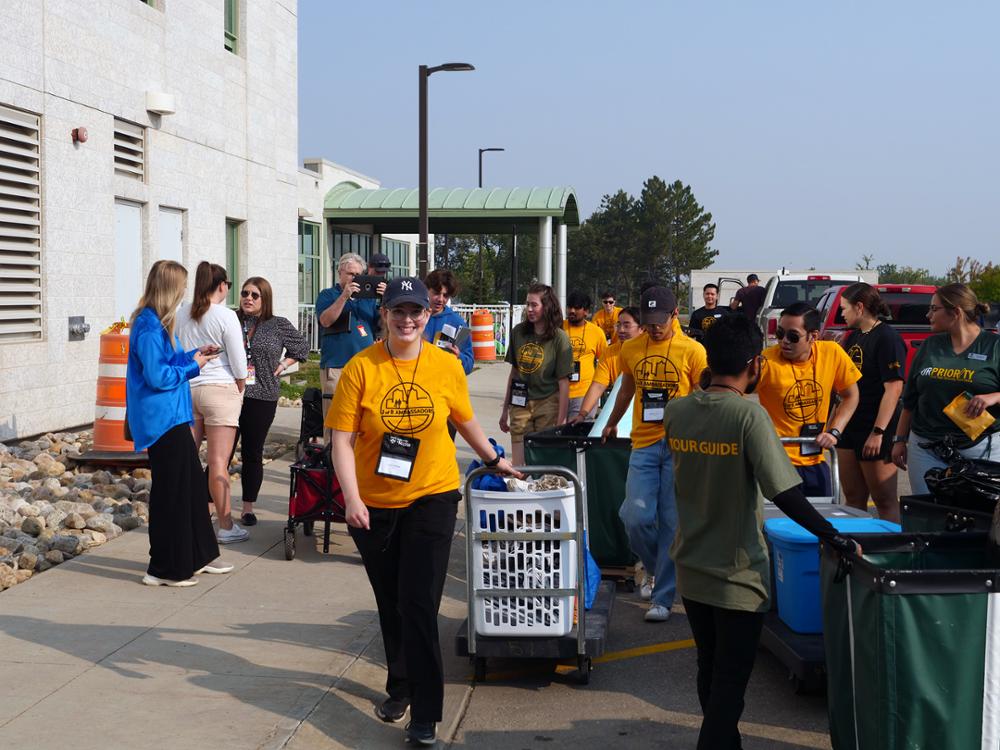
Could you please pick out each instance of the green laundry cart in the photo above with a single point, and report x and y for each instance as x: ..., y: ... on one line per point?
x: 603, y: 468
x: 912, y: 635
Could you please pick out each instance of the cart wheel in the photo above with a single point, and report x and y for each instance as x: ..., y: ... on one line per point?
x: 479, y: 669
x: 630, y: 586
x: 289, y: 544
x: 307, y: 528
x: 583, y: 666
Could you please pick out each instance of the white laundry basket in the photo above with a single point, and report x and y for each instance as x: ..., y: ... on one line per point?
x: 540, y: 564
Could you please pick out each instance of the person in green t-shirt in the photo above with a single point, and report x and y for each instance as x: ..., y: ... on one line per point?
x: 537, y: 394
x: 962, y: 357
x: 727, y: 458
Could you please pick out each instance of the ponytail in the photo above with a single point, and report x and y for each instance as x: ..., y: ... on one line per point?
x: 206, y: 280
x: 960, y: 297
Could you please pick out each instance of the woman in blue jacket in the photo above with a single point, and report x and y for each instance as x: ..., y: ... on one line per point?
x: 442, y: 286
x: 181, y: 538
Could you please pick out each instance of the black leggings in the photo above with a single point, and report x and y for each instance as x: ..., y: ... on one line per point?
x: 255, y: 420
x: 181, y: 538
x: 727, y: 646
x: 405, y: 553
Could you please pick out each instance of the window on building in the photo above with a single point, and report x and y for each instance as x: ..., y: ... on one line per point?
x: 350, y: 242
x: 399, y: 253
x: 232, y: 24
x: 130, y: 150
x: 233, y: 260
x: 308, y: 262
x: 20, y: 226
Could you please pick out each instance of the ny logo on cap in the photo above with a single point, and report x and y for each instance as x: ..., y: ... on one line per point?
x: 407, y: 286
x: 651, y: 303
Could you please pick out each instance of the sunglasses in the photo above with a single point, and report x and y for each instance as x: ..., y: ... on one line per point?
x: 793, y: 337
x: 247, y: 293
x: 609, y: 302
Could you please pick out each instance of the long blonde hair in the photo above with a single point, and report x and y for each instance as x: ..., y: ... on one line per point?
x: 165, y: 288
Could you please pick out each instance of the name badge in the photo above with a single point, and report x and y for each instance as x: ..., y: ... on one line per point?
x: 653, y: 403
x: 397, y: 457
x: 362, y: 332
x: 251, y: 374
x: 979, y: 357
x: 810, y: 430
x: 575, y: 375
x: 518, y: 393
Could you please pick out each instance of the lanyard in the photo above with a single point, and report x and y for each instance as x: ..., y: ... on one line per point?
x: 248, y: 334
x: 670, y: 343
x: 413, y: 379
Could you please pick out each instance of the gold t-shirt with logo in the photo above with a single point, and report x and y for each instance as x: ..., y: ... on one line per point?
x: 609, y: 366
x: 588, y: 344
x: 799, y: 393
x: 607, y: 322
x: 674, y: 365
x: 373, y: 399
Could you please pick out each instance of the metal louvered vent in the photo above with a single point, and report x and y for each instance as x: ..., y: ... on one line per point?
x: 130, y: 150
x: 20, y: 226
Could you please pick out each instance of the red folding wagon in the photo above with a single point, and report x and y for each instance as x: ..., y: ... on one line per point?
x: 314, y: 495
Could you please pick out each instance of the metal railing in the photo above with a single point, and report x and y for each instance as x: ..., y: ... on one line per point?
x: 501, y: 321
x: 309, y: 326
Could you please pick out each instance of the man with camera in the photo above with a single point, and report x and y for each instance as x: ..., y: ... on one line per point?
x: 348, y: 315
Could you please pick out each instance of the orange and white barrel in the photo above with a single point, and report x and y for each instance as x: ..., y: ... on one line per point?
x: 109, y: 415
x: 484, y: 345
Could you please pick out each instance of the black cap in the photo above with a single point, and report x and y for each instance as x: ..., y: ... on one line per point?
x: 405, y: 289
x: 657, y: 305
x: 380, y: 262
x: 753, y: 277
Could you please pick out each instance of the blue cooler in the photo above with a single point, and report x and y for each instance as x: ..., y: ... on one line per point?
x: 796, y: 566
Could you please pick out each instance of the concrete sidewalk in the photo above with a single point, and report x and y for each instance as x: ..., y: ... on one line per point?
x: 276, y: 654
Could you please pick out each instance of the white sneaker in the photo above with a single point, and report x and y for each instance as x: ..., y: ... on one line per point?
x: 646, y: 590
x: 657, y: 613
x: 154, y: 581
x: 233, y: 535
x: 215, y: 569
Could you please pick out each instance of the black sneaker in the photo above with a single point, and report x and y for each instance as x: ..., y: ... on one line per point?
x: 249, y: 519
x: 421, y: 733
x: 392, y: 710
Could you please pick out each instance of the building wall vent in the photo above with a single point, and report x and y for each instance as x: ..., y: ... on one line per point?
x: 130, y: 150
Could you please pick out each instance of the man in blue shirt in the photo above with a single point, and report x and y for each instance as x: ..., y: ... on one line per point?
x: 348, y: 325
x: 445, y: 322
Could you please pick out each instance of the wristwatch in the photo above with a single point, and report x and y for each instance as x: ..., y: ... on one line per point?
x: 835, y: 432
x: 494, y: 462
x: 877, y: 431
x: 900, y: 438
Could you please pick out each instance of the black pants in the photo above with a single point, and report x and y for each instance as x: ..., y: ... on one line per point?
x: 181, y: 538
x: 727, y: 645
x: 406, y: 557
x: 255, y: 420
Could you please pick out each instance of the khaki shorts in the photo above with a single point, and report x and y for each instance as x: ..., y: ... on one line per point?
x: 217, y: 404
x: 328, y: 379
x: 537, y: 415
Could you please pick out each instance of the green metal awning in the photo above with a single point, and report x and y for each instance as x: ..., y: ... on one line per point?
x: 450, y: 210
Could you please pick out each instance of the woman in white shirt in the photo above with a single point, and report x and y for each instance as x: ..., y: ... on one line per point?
x: 217, y: 393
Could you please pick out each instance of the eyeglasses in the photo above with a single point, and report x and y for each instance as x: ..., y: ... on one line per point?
x: 400, y: 314
x: 935, y: 308
x: 793, y: 337
x: 609, y: 302
x: 247, y: 293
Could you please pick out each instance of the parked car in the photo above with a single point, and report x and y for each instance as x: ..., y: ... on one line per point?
x: 786, y: 289
x: 908, y: 304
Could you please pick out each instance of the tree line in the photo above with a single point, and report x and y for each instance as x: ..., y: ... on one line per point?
x: 982, y: 278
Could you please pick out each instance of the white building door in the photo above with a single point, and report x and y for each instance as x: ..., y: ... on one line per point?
x: 171, y: 223
x: 128, y: 258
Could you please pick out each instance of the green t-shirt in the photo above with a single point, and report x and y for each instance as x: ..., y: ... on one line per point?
x: 938, y: 374
x: 727, y: 459
x: 540, y: 363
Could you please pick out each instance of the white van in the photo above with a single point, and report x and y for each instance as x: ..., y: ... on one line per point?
x: 787, y: 289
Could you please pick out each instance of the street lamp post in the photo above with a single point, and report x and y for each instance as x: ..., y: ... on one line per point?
x: 481, y: 152
x: 425, y: 72
x: 481, y: 284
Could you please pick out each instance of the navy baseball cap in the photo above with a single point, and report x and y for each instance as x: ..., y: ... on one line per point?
x: 380, y: 262
x: 403, y: 290
x: 657, y: 305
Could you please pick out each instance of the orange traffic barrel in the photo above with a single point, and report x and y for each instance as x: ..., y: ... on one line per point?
x: 484, y: 345
x: 110, y: 445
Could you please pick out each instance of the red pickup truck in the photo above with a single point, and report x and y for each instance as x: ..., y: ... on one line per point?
x: 907, y: 304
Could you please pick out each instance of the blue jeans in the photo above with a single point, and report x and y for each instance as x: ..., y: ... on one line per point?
x: 650, y: 515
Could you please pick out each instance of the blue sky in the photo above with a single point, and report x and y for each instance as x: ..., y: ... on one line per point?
x: 814, y: 132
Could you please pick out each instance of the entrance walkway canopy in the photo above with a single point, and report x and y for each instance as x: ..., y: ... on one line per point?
x: 465, y: 211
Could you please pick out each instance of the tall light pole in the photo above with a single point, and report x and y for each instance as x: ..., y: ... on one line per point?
x: 425, y: 73
x: 481, y: 152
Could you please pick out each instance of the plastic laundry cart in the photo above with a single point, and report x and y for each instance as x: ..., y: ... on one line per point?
x: 912, y: 634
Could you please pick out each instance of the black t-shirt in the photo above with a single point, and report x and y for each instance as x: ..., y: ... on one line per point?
x: 751, y: 298
x: 880, y: 354
x: 702, y: 319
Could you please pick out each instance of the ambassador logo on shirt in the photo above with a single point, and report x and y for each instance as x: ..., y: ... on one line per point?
x: 857, y: 356
x: 530, y: 358
x: 579, y: 346
x: 802, y: 400
x: 406, y: 409
x: 656, y: 372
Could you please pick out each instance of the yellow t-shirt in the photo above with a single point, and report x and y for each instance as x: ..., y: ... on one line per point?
x: 607, y: 322
x: 588, y: 344
x: 373, y: 399
x: 674, y: 365
x: 609, y: 366
x: 799, y: 393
